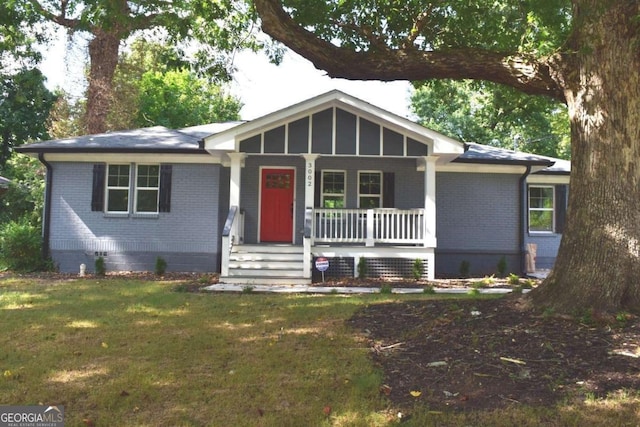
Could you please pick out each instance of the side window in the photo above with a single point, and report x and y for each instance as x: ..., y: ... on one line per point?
x: 541, y: 209
x: 118, y: 179
x: 369, y: 190
x: 147, y: 188
x: 333, y: 189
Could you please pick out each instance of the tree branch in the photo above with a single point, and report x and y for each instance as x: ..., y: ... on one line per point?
x: 60, y: 19
x: 526, y: 74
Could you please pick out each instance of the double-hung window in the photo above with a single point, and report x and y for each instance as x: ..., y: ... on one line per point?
x: 369, y: 189
x: 147, y: 188
x: 118, y: 183
x: 541, y: 209
x: 333, y: 189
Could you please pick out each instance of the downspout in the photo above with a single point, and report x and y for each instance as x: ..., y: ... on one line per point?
x: 523, y: 218
x: 46, y: 222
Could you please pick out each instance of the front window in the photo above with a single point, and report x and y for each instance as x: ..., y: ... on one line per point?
x: 147, y: 188
x: 541, y: 209
x: 333, y: 189
x: 369, y: 190
x: 118, y: 188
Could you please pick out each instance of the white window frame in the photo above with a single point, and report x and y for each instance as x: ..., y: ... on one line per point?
x: 360, y: 195
x: 110, y: 188
x: 552, y: 209
x: 333, y: 195
x: 137, y: 189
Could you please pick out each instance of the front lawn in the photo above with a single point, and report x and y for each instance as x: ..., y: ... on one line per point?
x: 128, y: 352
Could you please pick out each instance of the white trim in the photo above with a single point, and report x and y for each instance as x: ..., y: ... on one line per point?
x: 552, y: 210
x: 344, y: 194
x: 480, y: 168
x: 136, y: 189
x: 295, y: 182
x: 548, y: 179
x: 107, y: 188
x: 380, y: 196
x: 134, y: 157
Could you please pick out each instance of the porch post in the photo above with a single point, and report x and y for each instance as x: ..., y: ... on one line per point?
x: 309, y: 197
x: 430, y: 201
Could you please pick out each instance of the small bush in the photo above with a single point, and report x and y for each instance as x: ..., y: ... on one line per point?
x: 513, y: 279
x: 21, y: 246
x: 161, y: 266
x: 100, y: 267
x: 465, y: 268
x: 362, y: 268
x: 429, y: 290
x: 386, y: 289
x: 248, y: 289
x: 418, y: 269
x: 502, y: 267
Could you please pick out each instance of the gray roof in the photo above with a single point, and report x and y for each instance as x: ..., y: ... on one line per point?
x: 157, y: 139
x: 479, y: 153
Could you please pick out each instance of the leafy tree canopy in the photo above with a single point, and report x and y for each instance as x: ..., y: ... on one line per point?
x: 24, y: 107
x: 487, y: 113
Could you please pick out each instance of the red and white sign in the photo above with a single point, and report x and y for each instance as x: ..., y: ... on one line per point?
x: 322, y: 264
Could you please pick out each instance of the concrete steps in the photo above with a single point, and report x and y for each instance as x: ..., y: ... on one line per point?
x: 266, y: 264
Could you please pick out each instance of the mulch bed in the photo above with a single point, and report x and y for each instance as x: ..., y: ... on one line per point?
x: 489, y: 353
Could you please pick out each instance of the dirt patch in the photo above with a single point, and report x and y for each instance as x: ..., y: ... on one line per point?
x: 487, y: 354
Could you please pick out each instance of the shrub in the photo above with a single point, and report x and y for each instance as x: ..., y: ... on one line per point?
x: 21, y: 246
x: 161, y: 266
x: 513, y: 279
x: 362, y: 268
x: 502, y: 267
x: 418, y: 269
x: 429, y: 290
x: 100, y: 267
x: 386, y: 289
x: 465, y: 267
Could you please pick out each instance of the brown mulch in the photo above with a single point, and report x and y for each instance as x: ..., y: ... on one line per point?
x: 491, y: 353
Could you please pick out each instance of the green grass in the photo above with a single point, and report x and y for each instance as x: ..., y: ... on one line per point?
x: 133, y: 353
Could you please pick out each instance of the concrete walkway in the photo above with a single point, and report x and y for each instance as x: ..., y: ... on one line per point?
x: 297, y: 289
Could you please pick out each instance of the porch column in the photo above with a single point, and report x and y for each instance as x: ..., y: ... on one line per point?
x: 430, y: 201
x: 309, y: 197
x: 237, y: 161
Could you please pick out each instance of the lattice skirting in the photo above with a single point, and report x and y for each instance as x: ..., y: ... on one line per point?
x: 377, y: 268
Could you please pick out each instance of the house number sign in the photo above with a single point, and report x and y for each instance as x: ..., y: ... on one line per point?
x: 309, y: 174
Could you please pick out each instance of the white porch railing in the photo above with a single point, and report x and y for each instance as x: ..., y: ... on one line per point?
x: 369, y: 226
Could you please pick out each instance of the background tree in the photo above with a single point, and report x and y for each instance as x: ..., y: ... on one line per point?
x: 487, y: 113
x: 24, y: 107
x: 152, y: 86
x: 584, y: 53
x: 219, y: 28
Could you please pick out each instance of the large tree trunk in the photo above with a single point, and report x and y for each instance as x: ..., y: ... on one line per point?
x: 103, y: 55
x: 598, y: 265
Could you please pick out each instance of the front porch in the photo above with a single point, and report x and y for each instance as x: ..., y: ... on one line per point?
x: 387, y: 240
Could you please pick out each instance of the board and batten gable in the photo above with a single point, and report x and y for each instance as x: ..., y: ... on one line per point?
x: 187, y: 237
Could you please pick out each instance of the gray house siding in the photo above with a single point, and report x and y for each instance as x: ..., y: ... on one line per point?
x: 187, y: 237
x: 477, y: 222
x: 547, y: 249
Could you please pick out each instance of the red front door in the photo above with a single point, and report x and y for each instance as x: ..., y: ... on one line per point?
x: 276, y: 205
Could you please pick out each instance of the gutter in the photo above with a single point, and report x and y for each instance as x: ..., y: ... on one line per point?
x: 46, y: 222
x: 523, y: 217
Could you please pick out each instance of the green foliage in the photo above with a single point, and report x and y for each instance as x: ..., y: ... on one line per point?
x: 20, y: 246
x: 502, y: 267
x: 24, y: 108
x: 465, y: 267
x: 429, y: 290
x: 513, y: 279
x: 100, y: 267
x: 161, y: 266
x: 386, y: 289
x: 418, y: 269
x: 248, y: 289
x: 176, y: 99
x: 25, y: 196
x: 362, y: 268
x: 492, y: 114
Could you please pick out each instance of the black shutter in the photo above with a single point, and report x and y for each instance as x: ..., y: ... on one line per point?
x: 97, y: 191
x: 164, y: 204
x: 388, y: 190
x: 561, y: 207
x: 317, y: 192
